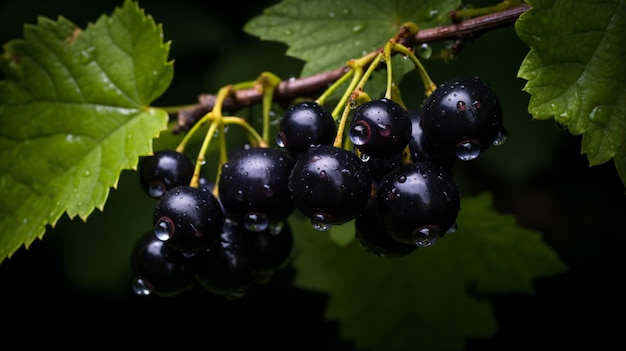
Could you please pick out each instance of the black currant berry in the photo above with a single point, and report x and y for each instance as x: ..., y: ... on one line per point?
x: 378, y: 166
x: 422, y: 150
x: 303, y: 125
x: 188, y: 219
x: 462, y: 117
x: 375, y: 240
x: 159, y: 269
x: 380, y: 127
x: 330, y: 185
x: 228, y: 266
x: 274, y: 251
x: 164, y: 170
x: 253, y: 187
x: 417, y: 203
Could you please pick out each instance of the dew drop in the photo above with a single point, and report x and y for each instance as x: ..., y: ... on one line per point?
x: 453, y: 228
x: 358, y: 28
x: 425, y: 50
x: 255, y: 221
x: 468, y: 150
x: 141, y: 287
x: 276, y: 228
x: 402, y: 179
x: 323, y: 174
x: 500, y: 138
x: 321, y: 222
x: 384, y: 130
x: 268, y: 191
x: 425, y: 236
x: 156, y: 189
x: 359, y: 133
x: 239, y: 195
x: 460, y: 105
x: 281, y: 139
x: 164, y: 228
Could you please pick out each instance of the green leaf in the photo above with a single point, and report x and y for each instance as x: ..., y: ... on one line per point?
x: 576, y: 74
x: 75, y: 112
x: 434, y: 298
x: 327, y: 33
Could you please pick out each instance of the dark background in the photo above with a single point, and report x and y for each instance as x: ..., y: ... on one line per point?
x: 74, y: 281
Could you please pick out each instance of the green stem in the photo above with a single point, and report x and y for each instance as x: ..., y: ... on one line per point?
x: 429, y: 85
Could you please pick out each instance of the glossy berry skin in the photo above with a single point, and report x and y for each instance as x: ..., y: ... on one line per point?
x: 188, y: 219
x: 274, y: 248
x: 228, y: 267
x: 417, y: 203
x: 158, y: 269
x: 375, y: 240
x: 462, y: 117
x: 380, y: 127
x: 330, y: 185
x: 303, y: 125
x: 421, y: 149
x: 164, y: 170
x: 253, y: 187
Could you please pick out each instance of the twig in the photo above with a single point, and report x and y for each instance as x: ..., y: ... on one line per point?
x: 312, y: 85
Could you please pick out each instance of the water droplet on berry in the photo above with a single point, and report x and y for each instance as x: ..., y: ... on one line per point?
x: 500, y: 138
x: 276, y: 228
x: 460, y: 105
x: 384, y: 130
x: 359, y: 133
x: 156, y: 189
x: 239, y: 195
x: 321, y: 222
x: 426, y: 236
x: 453, y: 228
x: 468, y: 150
x: 281, y: 139
x: 164, y: 228
x: 255, y: 221
x: 141, y: 287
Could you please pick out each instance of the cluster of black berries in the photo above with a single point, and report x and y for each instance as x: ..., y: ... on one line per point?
x: 196, y: 240
x: 397, y: 181
x: 396, y: 184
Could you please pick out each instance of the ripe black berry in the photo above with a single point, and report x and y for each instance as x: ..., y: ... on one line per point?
x: 380, y: 127
x: 228, y: 266
x: 330, y: 185
x: 274, y: 251
x: 159, y: 269
x: 164, y: 170
x: 421, y: 149
x: 462, y: 117
x: 253, y: 187
x: 417, y: 203
x: 188, y: 219
x: 303, y: 125
x: 375, y: 240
